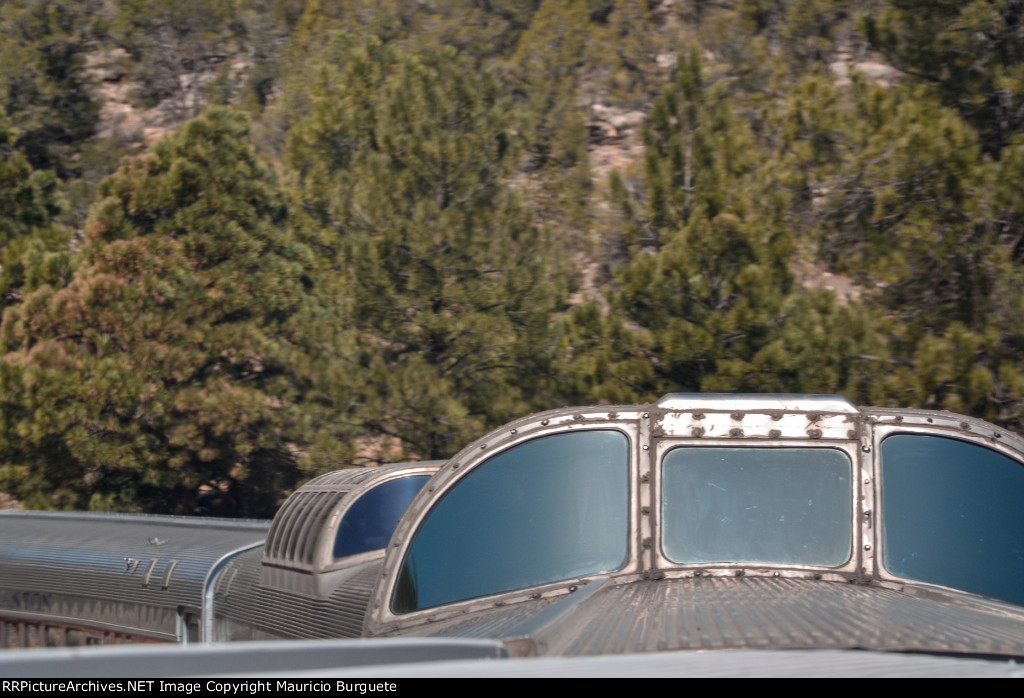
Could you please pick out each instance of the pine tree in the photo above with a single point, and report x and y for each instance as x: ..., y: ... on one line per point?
x: 706, y: 300
x: 971, y: 52
x: 33, y: 244
x: 43, y: 85
x: 165, y: 376
x: 545, y: 72
x: 406, y: 164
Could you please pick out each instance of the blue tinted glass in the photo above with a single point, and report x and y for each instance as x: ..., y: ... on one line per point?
x: 548, y: 510
x: 781, y: 505
x: 953, y: 514
x: 370, y: 521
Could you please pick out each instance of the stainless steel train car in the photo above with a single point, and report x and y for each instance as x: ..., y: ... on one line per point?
x: 79, y: 579
x: 699, y: 522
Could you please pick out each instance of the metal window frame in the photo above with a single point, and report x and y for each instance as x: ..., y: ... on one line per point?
x: 628, y: 422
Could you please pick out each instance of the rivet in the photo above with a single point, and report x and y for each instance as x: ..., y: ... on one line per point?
x: 867, y: 546
x: 930, y: 420
x: 737, y: 416
x: 646, y: 447
x: 698, y: 415
x: 851, y: 434
x: 776, y: 574
x: 899, y: 419
x: 739, y: 573
x: 867, y: 481
x: 736, y: 433
x: 646, y: 511
x: 646, y: 477
x: 997, y: 435
x: 483, y: 447
x: 774, y: 434
x: 965, y: 426
x: 544, y: 423
x: 515, y: 431
x: 697, y: 573
x: 814, y: 433
x: 817, y: 575
x: 646, y: 415
x: 572, y: 588
x: 866, y: 448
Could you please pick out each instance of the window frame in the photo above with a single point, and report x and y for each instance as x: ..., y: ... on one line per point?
x: 852, y: 566
x: 473, y: 457
x: 936, y: 428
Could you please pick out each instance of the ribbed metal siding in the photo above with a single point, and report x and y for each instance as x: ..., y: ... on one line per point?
x: 707, y: 613
x: 97, y: 566
x: 723, y: 613
x: 277, y: 613
x: 86, y: 555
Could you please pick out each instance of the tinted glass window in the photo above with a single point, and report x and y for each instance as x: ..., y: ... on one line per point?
x: 953, y: 514
x: 550, y: 509
x: 370, y: 521
x: 782, y: 505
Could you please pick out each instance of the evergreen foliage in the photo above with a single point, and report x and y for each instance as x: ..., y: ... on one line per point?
x: 406, y: 162
x: 707, y: 300
x: 165, y: 376
x: 207, y: 333
x: 34, y: 246
x: 43, y: 86
x: 970, y: 51
x: 709, y: 266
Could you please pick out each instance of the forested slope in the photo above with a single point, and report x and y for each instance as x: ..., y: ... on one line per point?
x: 244, y: 243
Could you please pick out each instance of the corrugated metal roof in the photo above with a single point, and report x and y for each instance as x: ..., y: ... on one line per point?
x: 158, y: 560
x: 706, y: 613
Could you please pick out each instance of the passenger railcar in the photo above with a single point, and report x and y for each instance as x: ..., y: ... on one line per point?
x: 84, y: 578
x: 698, y: 522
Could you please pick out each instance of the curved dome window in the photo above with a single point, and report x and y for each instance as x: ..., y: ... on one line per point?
x: 767, y: 505
x: 370, y: 520
x: 953, y: 514
x: 547, y: 510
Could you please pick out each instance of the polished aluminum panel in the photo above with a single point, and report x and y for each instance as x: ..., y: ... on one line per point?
x: 245, y: 609
x: 705, y: 613
x: 125, y: 573
x: 779, y: 402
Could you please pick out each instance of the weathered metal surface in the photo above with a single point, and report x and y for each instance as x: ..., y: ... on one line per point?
x: 732, y: 664
x: 662, y: 598
x: 243, y: 609
x: 778, y: 402
x: 749, y: 613
x: 303, y: 531
x: 121, y: 573
x: 267, y: 658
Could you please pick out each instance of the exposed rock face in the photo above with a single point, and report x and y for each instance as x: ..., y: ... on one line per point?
x: 879, y: 73
x: 123, y: 121
x: 614, y: 139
